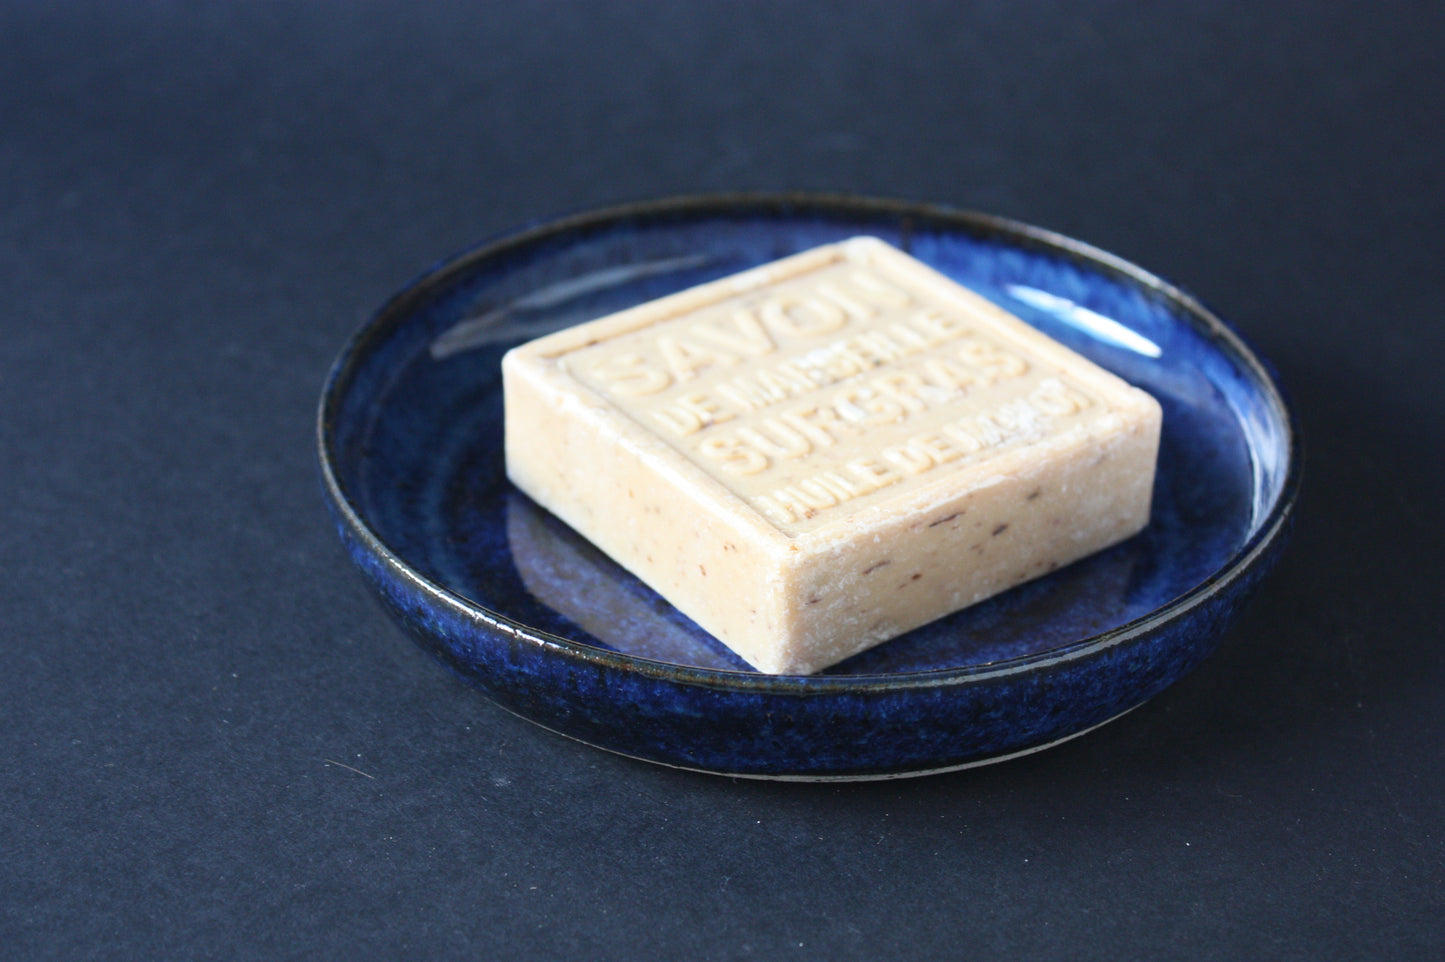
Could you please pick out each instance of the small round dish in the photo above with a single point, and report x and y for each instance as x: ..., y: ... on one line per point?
x: 410, y: 438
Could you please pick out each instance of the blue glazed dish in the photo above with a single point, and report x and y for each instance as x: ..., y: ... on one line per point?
x: 410, y: 439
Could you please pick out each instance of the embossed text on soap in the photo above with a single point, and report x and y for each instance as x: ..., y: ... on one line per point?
x: 831, y: 386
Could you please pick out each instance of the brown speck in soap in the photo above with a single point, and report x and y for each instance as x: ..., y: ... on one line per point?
x: 915, y: 576
x: 934, y: 524
x: 1000, y: 530
x: 874, y: 567
x: 703, y: 570
x: 814, y: 600
x: 1035, y: 493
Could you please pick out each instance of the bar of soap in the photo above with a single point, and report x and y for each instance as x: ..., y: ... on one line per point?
x: 814, y: 456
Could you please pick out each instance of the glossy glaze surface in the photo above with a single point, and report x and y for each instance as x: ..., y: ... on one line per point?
x: 410, y: 436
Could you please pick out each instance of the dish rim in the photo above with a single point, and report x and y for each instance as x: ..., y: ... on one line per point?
x: 396, y: 309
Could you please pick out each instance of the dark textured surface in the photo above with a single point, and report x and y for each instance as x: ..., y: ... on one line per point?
x: 214, y: 746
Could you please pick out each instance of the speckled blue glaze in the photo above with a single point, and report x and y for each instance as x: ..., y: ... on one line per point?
x: 411, y: 449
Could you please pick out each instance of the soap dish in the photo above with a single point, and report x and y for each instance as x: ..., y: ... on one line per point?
x: 410, y: 442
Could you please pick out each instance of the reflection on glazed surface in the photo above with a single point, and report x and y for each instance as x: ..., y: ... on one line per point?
x: 539, y: 312
x: 563, y: 571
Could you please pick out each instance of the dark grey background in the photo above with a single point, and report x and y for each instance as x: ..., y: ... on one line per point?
x: 213, y: 745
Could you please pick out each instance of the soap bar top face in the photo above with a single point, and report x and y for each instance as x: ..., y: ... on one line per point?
x: 812, y: 386
x: 816, y: 455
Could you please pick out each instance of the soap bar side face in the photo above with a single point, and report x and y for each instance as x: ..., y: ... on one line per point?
x: 1089, y: 490
x: 620, y: 488
x: 816, y: 455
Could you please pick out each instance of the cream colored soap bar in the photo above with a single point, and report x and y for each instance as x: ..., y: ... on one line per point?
x: 814, y: 456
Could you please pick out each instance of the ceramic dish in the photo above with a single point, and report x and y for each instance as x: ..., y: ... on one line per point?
x: 410, y: 435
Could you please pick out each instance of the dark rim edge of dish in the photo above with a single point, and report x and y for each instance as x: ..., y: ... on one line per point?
x: 396, y: 309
